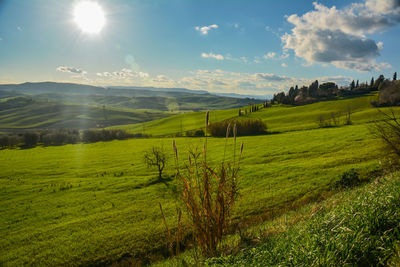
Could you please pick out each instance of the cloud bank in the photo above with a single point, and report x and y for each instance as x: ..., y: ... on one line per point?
x: 339, y: 36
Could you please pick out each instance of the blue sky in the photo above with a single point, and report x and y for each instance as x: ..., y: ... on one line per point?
x: 247, y: 47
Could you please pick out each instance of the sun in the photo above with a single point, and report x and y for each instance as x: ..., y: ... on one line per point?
x: 89, y: 16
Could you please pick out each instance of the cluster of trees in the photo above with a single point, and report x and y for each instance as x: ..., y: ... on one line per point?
x: 389, y: 93
x: 244, y: 127
x: 250, y: 109
x: 316, y: 92
x: 297, y: 95
x: 60, y: 137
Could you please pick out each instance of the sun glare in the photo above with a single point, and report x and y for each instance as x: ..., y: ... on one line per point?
x: 89, y: 16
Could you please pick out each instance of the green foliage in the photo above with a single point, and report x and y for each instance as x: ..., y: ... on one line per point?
x: 58, y: 137
x: 244, y: 127
x: 195, y: 133
x: 349, y: 178
x: 31, y: 139
x: 90, y: 136
x: 361, y: 231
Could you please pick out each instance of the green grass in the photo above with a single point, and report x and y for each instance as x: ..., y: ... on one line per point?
x: 84, y: 203
x: 27, y: 113
x: 179, y: 123
x: 279, y: 118
x: 93, y: 203
x: 355, y: 228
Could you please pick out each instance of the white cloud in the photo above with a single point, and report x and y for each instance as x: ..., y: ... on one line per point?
x: 71, y: 70
x: 270, y: 55
x: 19, y: 28
x: 215, y: 81
x: 271, y: 77
x: 205, y: 29
x: 338, y: 36
x: 284, y: 65
x: 386, y: 7
x: 123, y: 74
x: 244, y: 59
x: 1, y: 39
x: 211, y: 55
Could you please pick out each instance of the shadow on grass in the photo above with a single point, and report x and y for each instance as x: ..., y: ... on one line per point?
x: 165, y: 180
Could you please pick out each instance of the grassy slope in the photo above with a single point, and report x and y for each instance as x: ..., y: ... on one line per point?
x: 65, y: 204
x: 360, y: 227
x: 25, y: 113
x: 157, y: 101
x: 85, y: 203
x: 357, y: 227
x: 277, y: 118
x: 179, y: 123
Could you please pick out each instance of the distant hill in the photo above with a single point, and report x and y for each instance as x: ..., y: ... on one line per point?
x: 23, y: 112
x: 50, y: 104
x: 159, y: 89
x: 131, y: 91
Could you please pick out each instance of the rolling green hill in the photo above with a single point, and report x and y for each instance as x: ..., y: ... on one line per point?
x: 98, y: 203
x: 162, y: 99
x: 31, y: 113
x: 64, y: 105
x: 279, y: 118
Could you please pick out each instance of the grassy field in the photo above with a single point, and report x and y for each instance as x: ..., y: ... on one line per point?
x: 94, y: 203
x: 279, y: 118
x: 26, y: 113
x: 354, y: 227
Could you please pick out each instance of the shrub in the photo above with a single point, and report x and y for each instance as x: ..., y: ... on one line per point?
x: 349, y: 178
x: 195, y: 133
x: 244, y: 127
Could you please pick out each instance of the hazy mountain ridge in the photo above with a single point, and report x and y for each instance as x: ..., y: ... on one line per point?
x: 49, y: 104
x: 131, y: 91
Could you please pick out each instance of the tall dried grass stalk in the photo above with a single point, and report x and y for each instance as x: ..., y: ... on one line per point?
x: 167, y: 228
x: 209, y: 195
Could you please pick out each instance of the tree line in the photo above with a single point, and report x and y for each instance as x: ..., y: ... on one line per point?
x: 317, y: 92
x: 29, y: 139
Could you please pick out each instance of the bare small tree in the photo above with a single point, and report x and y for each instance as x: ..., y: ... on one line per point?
x: 348, y: 116
x: 156, y: 157
x: 388, y: 129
